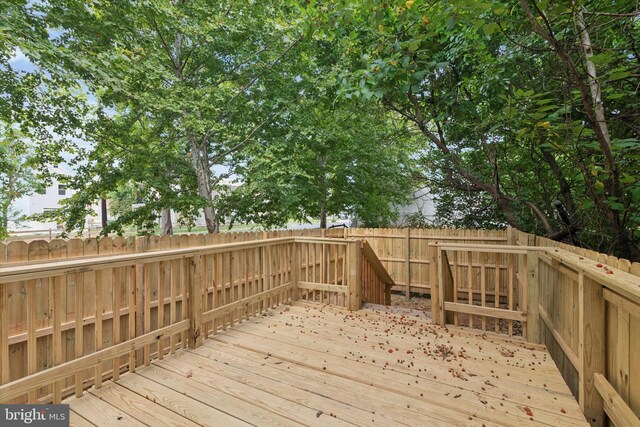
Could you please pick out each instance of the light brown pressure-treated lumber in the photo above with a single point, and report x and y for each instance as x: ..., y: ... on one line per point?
x: 323, y: 287
x: 566, y: 349
x: 533, y: 298
x: 614, y: 405
x: 60, y: 372
x: 622, y: 302
x: 486, y: 311
x: 354, y: 278
x: 195, y: 302
x: 591, y: 347
x: 234, y: 306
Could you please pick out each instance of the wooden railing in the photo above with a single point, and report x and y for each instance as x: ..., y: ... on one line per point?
x: 323, y: 275
x: 376, y: 281
x: 57, y: 318
x: 69, y: 324
x: 480, y: 294
x: 404, y: 252
x: 329, y: 266
x: 105, y: 315
x: 590, y: 313
x: 585, y: 311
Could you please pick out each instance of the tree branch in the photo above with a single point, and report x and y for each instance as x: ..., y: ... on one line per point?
x: 165, y: 45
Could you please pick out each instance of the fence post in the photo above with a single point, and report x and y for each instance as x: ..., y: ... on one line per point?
x: 445, y: 284
x: 591, y: 347
x: 434, y: 282
x: 354, y: 284
x: 195, y: 302
x: 295, y: 272
x: 533, y: 298
x: 141, y: 245
x: 407, y: 262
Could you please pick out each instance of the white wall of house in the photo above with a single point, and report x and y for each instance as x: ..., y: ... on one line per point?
x: 421, y: 201
x: 37, y: 203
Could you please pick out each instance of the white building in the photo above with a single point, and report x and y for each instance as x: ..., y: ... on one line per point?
x: 44, y: 201
x: 421, y: 204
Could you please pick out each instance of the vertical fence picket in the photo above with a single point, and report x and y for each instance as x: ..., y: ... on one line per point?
x: 456, y: 283
x: 511, y: 272
x: 470, y: 283
x: 195, y: 302
x: 496, y: 291
x: 4, y: 330
x: 98, y: 304
x: 483, y: 287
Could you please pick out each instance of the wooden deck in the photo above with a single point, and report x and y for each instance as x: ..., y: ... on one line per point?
x: 302, y: 365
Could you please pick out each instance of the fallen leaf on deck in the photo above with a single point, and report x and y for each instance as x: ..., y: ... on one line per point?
x: 506, y: 352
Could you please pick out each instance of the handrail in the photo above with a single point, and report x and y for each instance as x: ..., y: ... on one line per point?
x: 370, y: 255
x: 616, y: 408
x: 618, y: 280
x: 376, y: 281
x: 596, y: 284
x: 47, y: 268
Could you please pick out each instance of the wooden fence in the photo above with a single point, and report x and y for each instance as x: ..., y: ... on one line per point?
x: 404, y: 253
x: 68, y: 324
x: 584, y: 306
x: 481, y: 295
x: 324, y: 266
x: 589, y: 311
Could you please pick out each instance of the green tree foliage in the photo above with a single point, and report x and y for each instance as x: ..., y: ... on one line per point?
x: 17, y: 176
x: 322, y: 155
x: 527, y: 104
x: 132, y: 155
x: 185, y: 69
x: 529, y: 109
x: 325, y: 159
x: 183, y: 87
x: 41, y: 112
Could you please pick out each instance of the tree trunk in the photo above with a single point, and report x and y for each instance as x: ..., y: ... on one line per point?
x: 166, y: 227
x: 322, y: 162
x: 323, y: 215
x: 4, y: 219
x: 591, y: 98
x: 570, y: 217
x: 620, y: 234
x: 200, y: 162
x: 199, y: 156
x: 592, y: 76
x: 103, y: 212
x: 565, y: 188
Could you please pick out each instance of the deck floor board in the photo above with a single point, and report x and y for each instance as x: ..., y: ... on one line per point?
x: 323, y: 366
